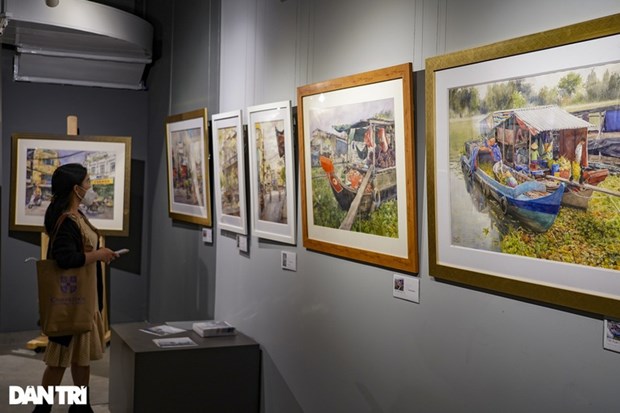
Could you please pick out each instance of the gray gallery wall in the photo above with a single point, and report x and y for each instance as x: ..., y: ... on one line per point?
x: 184, y: 77
x: 43, y: 108
x: 333, y: 338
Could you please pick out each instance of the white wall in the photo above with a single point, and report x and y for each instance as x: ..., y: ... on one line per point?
x: 334, y: 339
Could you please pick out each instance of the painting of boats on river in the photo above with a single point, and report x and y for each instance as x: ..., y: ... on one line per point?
x: 354, y: 167
x: 535, y: 166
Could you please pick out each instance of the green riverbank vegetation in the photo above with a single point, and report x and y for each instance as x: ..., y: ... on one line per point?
x: 590, y: 237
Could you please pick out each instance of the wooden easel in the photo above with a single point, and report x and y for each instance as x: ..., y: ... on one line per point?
x: 41, y: 341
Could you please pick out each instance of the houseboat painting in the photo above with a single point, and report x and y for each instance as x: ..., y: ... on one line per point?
x: 538, y: 180
x: 542, y: 142
x: 353, y: 158
x: 525, y: 199
x: 524, y: 169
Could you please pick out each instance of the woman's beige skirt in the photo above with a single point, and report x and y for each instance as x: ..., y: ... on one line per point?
x: 81, y: 350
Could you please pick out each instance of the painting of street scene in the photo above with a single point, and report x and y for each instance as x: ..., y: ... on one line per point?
x: 229, y: 171
x: 535, y: 166
x: 354, y: 167
x: 41, y: 164
x: 187, y: 166
x: 271, y: 173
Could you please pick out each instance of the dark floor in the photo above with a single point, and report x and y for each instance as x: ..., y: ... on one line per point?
x: 22, y: 367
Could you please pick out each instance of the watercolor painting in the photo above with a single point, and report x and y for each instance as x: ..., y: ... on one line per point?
x: 535, y: 166
x: 352, y: 151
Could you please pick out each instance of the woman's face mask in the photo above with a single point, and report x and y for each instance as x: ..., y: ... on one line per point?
x: 89, y: 196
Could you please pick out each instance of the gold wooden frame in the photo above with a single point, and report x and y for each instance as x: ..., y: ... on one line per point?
x: 365, y: 88
x: 557, y: 295
x: 19, y: 221
x: 194, y: 215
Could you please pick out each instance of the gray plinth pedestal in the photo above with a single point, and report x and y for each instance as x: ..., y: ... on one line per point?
x: 221, y: 374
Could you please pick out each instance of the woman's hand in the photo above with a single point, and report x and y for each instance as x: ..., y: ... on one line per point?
x: 102, y: 254
x: 107, y: 255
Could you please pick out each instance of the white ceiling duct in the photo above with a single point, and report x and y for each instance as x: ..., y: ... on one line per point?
x: 76, y: 42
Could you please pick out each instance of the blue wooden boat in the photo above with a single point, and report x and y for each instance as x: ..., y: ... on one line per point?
x: 528, y: 201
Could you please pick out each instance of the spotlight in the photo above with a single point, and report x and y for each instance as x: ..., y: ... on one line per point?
x: 52, y: 3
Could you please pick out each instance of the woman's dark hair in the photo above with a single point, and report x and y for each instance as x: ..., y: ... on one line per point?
x: 64, y: 179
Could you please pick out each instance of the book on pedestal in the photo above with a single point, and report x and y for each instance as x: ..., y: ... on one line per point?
x: 213, y: 328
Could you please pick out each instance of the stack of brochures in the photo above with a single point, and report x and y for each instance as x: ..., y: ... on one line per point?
x: 174, y: 342
x: 162, y: 330
x: 213, y: 328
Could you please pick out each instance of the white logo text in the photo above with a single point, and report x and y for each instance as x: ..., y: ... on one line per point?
x: 39, y: 394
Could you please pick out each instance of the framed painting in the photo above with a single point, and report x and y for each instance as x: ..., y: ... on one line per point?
x: 34, y: 159
x: 272, y: 174
x: 229, y: 170
x: 358, y: 167
x: 187, y: 153
x: 523, y: 162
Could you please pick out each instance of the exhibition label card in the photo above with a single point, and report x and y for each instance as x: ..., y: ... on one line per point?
x: 407, y: 288
x: 611, y: 335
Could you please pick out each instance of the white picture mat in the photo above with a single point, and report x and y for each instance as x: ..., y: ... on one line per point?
x: 266, y: 229
x: 377, y: 91
x: 223, y: 121
x: 199, y: 211
x: 601, y: 281
x: 117, y: 148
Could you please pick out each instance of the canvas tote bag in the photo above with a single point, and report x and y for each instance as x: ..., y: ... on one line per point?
x: 67, y: 297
